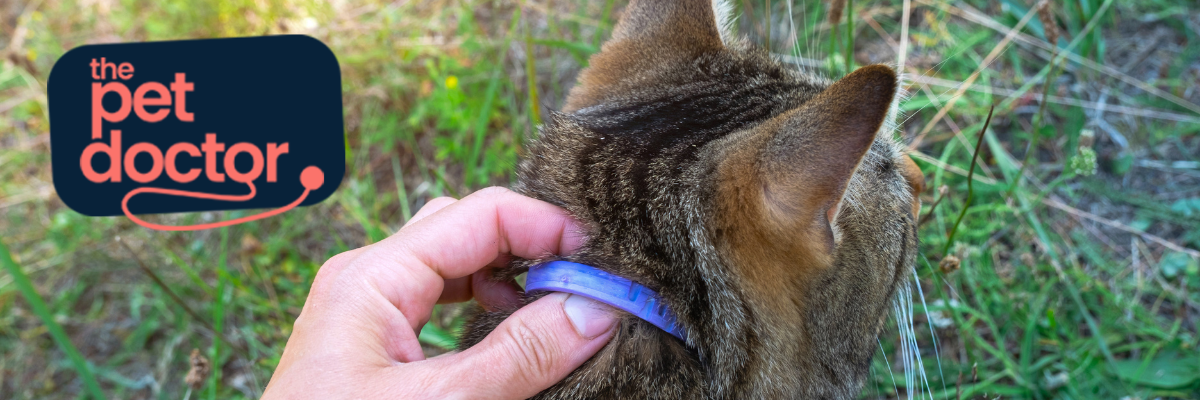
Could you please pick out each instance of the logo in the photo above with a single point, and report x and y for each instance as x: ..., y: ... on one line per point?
x: 198, y: 125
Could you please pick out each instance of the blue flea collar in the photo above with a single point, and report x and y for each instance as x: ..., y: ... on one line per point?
x: 587, y: 281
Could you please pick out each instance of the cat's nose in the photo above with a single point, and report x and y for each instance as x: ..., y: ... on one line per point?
x: 916, y: 181
x: 912, y: 174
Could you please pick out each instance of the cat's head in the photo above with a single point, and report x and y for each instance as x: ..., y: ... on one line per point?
x: 772, y: 209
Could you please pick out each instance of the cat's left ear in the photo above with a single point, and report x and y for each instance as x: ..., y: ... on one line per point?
x: 675, y: 24
x: 651, y: 34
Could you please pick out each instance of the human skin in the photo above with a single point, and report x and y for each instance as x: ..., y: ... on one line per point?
x: 356, y: 336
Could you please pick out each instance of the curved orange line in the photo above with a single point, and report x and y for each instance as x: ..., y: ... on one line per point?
x: 209, y: 196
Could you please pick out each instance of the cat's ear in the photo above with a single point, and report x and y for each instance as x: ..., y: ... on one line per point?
x: 650, y: 34
x: 678, y: 23
x: 805, y: 164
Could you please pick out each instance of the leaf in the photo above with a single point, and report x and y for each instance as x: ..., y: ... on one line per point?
x: 1167, y: 371
x: 1175, y: 262
x: 1122, y: 164
x: 434, y: 336
x: 1187, y: 207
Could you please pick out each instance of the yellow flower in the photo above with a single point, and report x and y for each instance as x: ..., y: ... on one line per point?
x: 451, y: 82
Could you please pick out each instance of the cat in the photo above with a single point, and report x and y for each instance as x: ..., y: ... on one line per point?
x: 772, y: 210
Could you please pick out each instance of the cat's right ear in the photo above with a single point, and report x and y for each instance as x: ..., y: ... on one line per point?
x: 807, y: 164
x: 650, y: 34
x: 795, y: 169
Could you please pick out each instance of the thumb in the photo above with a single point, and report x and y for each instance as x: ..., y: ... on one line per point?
x: 536, y: 347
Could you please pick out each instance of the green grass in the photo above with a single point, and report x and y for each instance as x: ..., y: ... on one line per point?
x: 440, y: 97
x: 43, y: 313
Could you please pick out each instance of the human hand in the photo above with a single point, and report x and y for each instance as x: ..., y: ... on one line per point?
x: 356, y: 336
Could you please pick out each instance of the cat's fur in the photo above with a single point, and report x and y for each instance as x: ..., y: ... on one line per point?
x: 758, y: 201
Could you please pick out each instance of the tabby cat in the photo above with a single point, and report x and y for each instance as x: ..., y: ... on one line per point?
x: 772, y: 210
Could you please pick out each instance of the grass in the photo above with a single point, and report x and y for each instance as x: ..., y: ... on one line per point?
x: 1078, y: 275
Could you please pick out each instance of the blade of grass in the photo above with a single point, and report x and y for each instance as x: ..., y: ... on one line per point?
x: 401, y: 191
x: 36, y: 302
x: 434, y: 336
x: 187, y: 269
x: 1072, y: 290
x: 1035, y: 132
x: 1012, y: 95
x: 1052, y: 202
x: 902, y: 53
x: 219, y: 313
x: 179, y: 301
x: 849, y: 35
x: 834, y: 21
x: 987, y: 61
x: 604, y: 23
x: 580, y: 50
x: 953, y: 128
x: 489, y: 97
x: 535, y: 106
x: 1027, y: 350
x: 981, y: 18
x: 767, y: 7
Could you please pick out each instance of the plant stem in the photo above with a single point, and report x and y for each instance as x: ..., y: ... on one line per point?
x: 1038, y: 120
x: 767, y: 7
x: 970, y: 183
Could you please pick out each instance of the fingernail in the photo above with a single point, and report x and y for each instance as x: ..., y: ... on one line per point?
x: 589, y: 317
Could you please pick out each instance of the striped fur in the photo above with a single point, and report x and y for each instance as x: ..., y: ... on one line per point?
x: 758, y: 201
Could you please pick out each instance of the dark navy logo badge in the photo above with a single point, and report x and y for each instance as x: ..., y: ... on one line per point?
x: 217, y: 124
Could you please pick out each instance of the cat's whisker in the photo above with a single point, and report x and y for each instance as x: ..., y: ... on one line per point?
x: 723, y: 11
x: 902, y: 53
x: 913, y: 356
x: 895, y: 388
x: 997, y: 50
x: 916, y: 348
x: 905, y: 363
x: 918, y: 77
x: 808, y: 38
x: 792, y: 27
x: 929, y: 72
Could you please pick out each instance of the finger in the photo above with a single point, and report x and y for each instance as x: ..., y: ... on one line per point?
x: 501, y: 261
x: 429, y: 208
x: 458, y: 290
x: 410, y: 267
x: 493, y: 295
x: 526, y: 228
x: 490, y: 294
x: 328, y: 273
x: 533, y: 349
x: 339, y: 262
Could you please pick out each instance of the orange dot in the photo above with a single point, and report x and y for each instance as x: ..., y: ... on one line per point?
x: 312, y: 177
